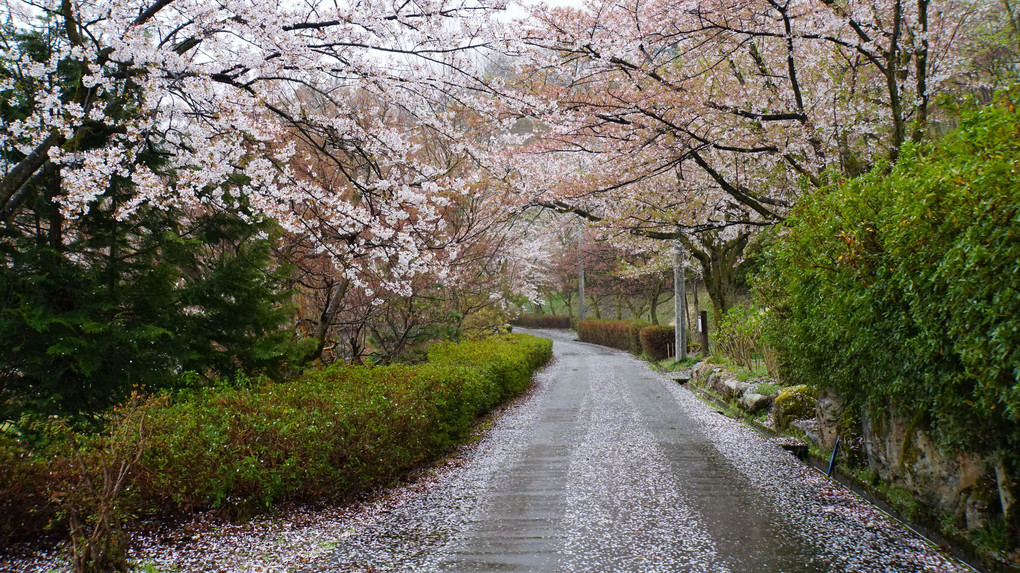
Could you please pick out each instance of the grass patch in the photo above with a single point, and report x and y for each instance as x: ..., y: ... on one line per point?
x: 992, y: 537
x: 867, y: 476
x: 671, y: 365
x: 745, y: 374
x: 904, y: 501
x: 742, y: 373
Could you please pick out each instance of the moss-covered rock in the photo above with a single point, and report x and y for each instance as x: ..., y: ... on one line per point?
x: 793, y: 403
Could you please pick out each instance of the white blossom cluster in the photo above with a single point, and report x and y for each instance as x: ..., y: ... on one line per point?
x: 315, y: 114
x: 714, y: 113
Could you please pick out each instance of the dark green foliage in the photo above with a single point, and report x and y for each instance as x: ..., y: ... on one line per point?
x: 902, y: 287
x: 24, y: 501
x: 541, y: 321
x: 621, y: 334
x: 327, y: 434
x: 657, y: 340
x: 79, y: 328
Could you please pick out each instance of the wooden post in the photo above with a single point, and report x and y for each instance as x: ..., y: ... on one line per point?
x: 703, y: 331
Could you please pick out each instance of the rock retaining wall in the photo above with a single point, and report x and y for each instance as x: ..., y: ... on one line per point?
x: 961, y: 486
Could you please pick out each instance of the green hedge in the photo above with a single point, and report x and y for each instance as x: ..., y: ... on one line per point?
x: 656, y: 341
x: 541, y: 321
x: 621, y: 334
x: 328, y: 434
x: 902, y: 287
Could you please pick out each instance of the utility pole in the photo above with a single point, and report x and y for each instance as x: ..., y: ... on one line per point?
x: 580, y: 278
x: 580, y: 291
x: 679, y: 298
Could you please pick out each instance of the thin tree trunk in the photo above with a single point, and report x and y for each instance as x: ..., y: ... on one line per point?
x: 1007, y: 498
x: 921, y: 67
x: 56, y: 237
x: 892, y: 83
x: 326, y: 319
x: 653, y: 303
x: 697, y: 305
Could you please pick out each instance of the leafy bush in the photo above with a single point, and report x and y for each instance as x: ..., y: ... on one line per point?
x: 620, y: 334
x: 25, y: 508
x: 541, y: 321
x: 333, y: 432
x: 656, y: 341
x: 329, y: 434
x: 902, y: 287
x: 740, y: 337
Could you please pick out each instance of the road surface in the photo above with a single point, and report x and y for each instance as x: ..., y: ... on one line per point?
x: 609, y: 466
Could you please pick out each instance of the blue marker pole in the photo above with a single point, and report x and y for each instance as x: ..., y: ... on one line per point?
x: 832, y: 460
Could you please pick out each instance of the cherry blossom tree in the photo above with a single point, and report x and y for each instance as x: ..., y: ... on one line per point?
x: 218, y: 89
x: 340, y: 129
x: 702, y: 121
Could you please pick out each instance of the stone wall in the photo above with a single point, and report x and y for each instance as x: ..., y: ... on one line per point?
x: 960, y: 485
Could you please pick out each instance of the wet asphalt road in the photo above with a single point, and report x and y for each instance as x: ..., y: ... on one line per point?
x: 608, y: 466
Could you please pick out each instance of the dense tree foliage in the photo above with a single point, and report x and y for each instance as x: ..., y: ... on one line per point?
x: 701, y: 122
x: 81, y: 327
x: 901, y: 287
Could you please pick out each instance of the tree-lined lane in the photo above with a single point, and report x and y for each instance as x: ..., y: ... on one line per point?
x: 611, y: 467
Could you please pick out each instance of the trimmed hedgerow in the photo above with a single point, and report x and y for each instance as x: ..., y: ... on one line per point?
x: 327, y: 435
x: 620, y: 334
x: 656, y: 340
x: 541, y: 321
x: 334, y: 432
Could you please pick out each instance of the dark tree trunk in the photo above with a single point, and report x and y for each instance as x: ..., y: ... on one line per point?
x: 718, y: 259
x: 335, y: 296
x: 569, y: 300
x: 697, y: 304
x: 653, y: 303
